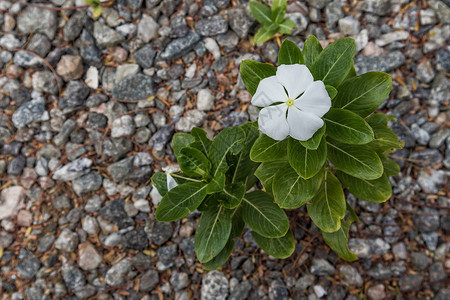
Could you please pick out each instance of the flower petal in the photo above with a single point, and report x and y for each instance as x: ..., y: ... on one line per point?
x: 315, y: 99
x: 302, y: 125
x: 272, y: 121
x: 171, y: 183
x: 295, y: 78
x: 268, y: 92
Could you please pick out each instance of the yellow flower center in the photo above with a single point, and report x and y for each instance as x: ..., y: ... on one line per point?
x: 290, y: 102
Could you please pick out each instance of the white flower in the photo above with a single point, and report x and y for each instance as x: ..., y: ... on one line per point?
x: 303, y: 103
x: 171, y: 183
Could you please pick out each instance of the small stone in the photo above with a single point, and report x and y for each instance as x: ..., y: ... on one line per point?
x: 350, y: 275
x: 120, y: 170
x: 76, y: 93
x: 135, y: 239
x: 28, y: 267
x: 239, y: 21
x: 360, y: 247
x: 241, y: 291
x: 12, y: 199
x: 333, y: 13
x: 125, y: 70
x: 89, y: 258
x: 159, y: 232
x: 180, y: 46
x: 384, y: 62
x: 73, y: 170
x: 211, y: 26
x: 301, y: 22
x: 85, y: 184
x: 44, y: 81
x: 145, y: 56
x: 91, y: 79
x: 349, y: 26
x: 16, y: 165
x: 45, y: 243
x: 391, y: 37
x: 378, y: 7
x: 376, y: 292
x: 193, y: 118
x: 115, y: 212
x: 419, y: 261
x: 425, y: 71
x: 437, y: 273
x: 34, y: 19
x: 133, y: 87
x: 411, y: 282
x: 24, y: 218
x: 147, y: 28
x: 420, y: 135
x: 205, y: 100
x: 30, y: 112
x: 123, y: 126
x: 67, y: 240
x: 214, y: 286
x: 116, y: 274
x: 70, y: 67
x: 321, y: 267
x: 10, y: 42
x: 90, y: 225
x: 142, y: 205
x: 105, y: 36
x: 432, y: 181
x: 149, y: 281
x: 400, y: 251
x: 179, y: 280
x: 74, y: 26
x: 212, y: 47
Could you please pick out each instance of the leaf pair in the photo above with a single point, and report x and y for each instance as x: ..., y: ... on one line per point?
x: 272, y: 19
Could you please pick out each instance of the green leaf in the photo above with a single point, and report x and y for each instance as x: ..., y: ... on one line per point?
x: 92, y: 3
x: 232, y: 195
x: 237, y: 223
x: 261, y: 13
x: 351, y: 73
x: 267, y: 149
x: 306, y: 162
x: 385, y: 138
x: 200, y: 142
x: 159, y: 180
x: 217, y: 184
x: 338, y: 241
x: 390, y: 167
x: 332, y: 92
x: 282, y: 247
x: 264, y: 34
x: 193, y: 162
x: 347, y: 127
x: 311, y: 50
x: 286, y: 26
x: 221, y: 258
x: 181, y: 140
x: 262, y: 215
x: 241, y: 165
x: 353, y: 217
x: 289, y: 54
x: 213, y: 231
x: 96, y: 11
x: 363, y: 94
x: 356, y: 160
x: 210, y: 202
x: 314, y: 142
x: 252, y: 72
x: 228, y: 141
x: 334, y: 62
x: 266, y: 172
x: 278, y: 10
x: 378, y: 190
x: 181, y: 201
x: 328, y: 206
x: 291, y: 191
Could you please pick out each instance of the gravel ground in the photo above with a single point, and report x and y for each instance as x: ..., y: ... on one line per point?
x: 88, y: 109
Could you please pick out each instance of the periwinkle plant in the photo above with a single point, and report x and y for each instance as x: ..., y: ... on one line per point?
x: 316, y: 132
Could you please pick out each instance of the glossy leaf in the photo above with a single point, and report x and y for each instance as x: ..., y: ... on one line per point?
x: 278, y: 10
x: 291, y: 191
x: 363, y: 94
x: 261, y: 13
x: 267, y: 149
x: 378, y: 190
x: 181, y: 140
x: 252, y: 72
x: 306, y: 162
x: 282, y: 247
x: 286, y: 26
x: 356, y: 160
x: 228, y: 141
x: 289, y: 54
x: 217, y: 184
x: 193, y: 162
x: 385, y: 138
x: 242, y: 165
x: 347, y: 127
x: 338, y: 241
x: 181, y: 201
x: 311, y: 50
x: 328, y: 206
x: 237, y: 223
x: 232, y: 195
x: 213, y: 231
x: 201, y: 141
x: 159, y: 180
x: 221, y: 258
x: 332, y: 92
x: 314, y: 142
x: 262, y: 215
x: 334, y: 62
x: 265, y: 33
x: 391, y: 168
x: 267, y: 171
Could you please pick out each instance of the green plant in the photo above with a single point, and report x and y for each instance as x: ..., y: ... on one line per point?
x: 96, y: 7
x: 272, y: 19
x: 343, y: 143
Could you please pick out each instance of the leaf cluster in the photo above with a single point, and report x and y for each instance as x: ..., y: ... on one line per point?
x: 349, y: 150
x: 215, y: 178
x: 272, y: 19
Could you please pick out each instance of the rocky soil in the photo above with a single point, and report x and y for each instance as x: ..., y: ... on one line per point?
x: 87, y: 111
